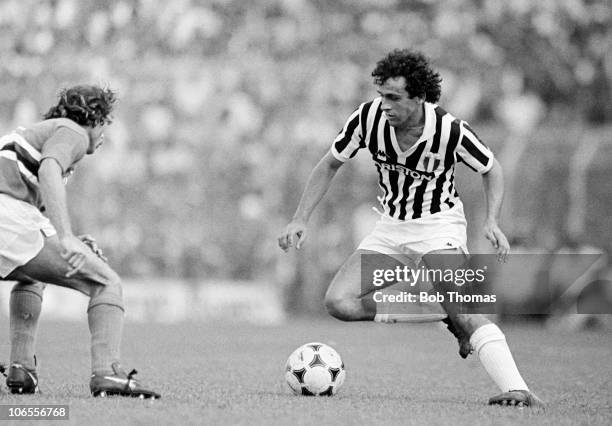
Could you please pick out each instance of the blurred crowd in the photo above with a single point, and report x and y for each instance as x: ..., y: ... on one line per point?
x: 226, y: 105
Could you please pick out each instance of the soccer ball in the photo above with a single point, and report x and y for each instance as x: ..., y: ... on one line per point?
x: 315, y: 369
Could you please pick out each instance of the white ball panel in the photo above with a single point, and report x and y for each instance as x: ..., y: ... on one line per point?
x: 339, y: 379
x: 293, y: 382
x: 317, y: 379
x: 330, y: 356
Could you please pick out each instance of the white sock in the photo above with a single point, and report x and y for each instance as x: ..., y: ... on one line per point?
x: 490, y: 344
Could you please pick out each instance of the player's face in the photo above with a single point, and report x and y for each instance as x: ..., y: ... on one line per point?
x: 399, y: 107
x: 96, y: 138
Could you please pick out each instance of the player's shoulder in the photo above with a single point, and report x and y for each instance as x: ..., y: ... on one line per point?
x: 457, y: 125
x: 364, y: 109
x: 69, y: 129
x: 66, y: 123
x: 442, y: 113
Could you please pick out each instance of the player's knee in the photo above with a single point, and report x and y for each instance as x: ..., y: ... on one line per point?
x: 340, y: 308
x: 108, y: 292
x: 36, y: 288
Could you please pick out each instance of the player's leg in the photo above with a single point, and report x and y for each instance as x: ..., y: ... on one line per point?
x: 353, y: 295
x: 344, y: 298
x: 486, y: 339
x: 24, y: 311
x: 105, y: 311
x: 447, y: 259
x: 98, y: 281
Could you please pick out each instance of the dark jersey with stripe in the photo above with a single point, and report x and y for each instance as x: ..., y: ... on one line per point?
x: 22, y: 151
x: 420, y: 181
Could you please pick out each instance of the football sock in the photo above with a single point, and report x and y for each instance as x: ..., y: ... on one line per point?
x: 25, y: 305
x: 106, y: 327
x: 490, y: 344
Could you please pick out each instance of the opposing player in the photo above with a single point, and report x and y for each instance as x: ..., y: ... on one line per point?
x: 37, y: 244
x: 415, y: 146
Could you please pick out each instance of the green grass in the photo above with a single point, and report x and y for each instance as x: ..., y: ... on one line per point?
x: 396, y: 374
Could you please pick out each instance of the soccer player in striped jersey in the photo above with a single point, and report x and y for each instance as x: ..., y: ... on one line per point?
x: 37, y: 244
x: 415, y: 146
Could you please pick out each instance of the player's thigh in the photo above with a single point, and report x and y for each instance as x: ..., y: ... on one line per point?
x: 354, y: 278
x: 50, y: 267
x: 445, y: 259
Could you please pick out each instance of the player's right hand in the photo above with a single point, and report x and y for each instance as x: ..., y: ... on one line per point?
x: 74, y: 251
x: 294, y: 235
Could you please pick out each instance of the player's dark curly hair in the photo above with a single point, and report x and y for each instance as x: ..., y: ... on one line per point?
x: 421, y: 79
x: 86, y: 105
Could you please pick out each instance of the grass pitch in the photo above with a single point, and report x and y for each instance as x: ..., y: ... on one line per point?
x: 396, y: 374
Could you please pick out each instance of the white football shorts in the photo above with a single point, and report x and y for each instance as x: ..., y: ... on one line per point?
x: 417, y: 237
x: 23, y: 229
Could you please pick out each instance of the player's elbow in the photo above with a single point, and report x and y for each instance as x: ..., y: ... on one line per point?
x: 330, y: 163
x: 49, y: 169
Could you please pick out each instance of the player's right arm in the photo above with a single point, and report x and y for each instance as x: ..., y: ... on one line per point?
x: 318, y: 183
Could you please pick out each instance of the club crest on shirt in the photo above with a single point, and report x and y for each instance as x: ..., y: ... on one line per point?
x: 431, y: 161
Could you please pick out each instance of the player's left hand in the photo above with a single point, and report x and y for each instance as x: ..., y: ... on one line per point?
x: 494, y: 234
x: 93, y: 245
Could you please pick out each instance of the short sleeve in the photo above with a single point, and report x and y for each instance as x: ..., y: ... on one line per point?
x: 66, y: 146
x: 473, y: 152
x: 350, y: 138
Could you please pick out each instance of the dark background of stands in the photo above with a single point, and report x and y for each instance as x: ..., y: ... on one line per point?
x: 225, y: 107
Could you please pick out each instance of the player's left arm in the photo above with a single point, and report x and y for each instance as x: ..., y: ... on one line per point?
x: 475, y: 154
x: 61, y: 151
x: 493, y: 182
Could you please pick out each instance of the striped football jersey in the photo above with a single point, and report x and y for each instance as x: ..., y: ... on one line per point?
x: 420, y: 181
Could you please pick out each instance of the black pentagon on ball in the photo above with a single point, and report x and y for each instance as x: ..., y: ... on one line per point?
x: 306, y: 392
x: 299, y: 374
x: 328, y: 392
x: 315, y: 347
x: 316, y: 361
x: 334, y: 373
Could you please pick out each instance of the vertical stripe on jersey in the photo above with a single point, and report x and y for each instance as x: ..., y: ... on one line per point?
x: 417, y: 203
x: 394, y: 175
x: 365, y: 111
x: 383, y: 144
x: 439, y: 115
x: 412, y: 161
x: 363, y: 115
x: 347, y: 132
x: 452, y: 191
x: 375, y: 145
x: 408, y: 181
x: 435, y: 148
x: 453, y: 140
